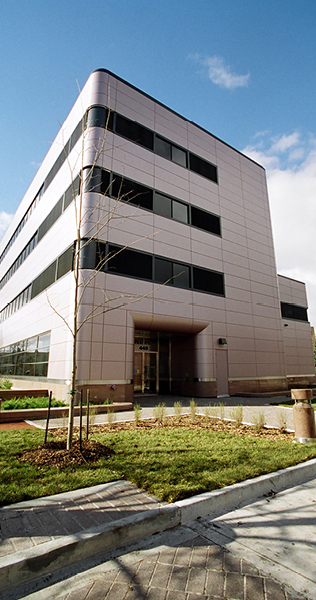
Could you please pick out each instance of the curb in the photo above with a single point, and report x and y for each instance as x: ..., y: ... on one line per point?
x: 50, y: 557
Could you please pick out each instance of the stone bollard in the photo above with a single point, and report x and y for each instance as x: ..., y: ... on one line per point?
x: 303, y: 414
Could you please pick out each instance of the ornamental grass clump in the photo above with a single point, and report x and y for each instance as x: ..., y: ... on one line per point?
x: 160, y: 413
x: 193, y: 409
x: 259, y: 421
x: 177, y: 410
x: 282, y: 420
x: 236, y: 414
x: 137, y: 409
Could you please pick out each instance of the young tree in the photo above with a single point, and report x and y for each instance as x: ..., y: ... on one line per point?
x: 91, y: 222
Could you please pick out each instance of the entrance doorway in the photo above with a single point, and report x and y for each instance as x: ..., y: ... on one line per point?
x: 152, y: 362
x: 146, y: 372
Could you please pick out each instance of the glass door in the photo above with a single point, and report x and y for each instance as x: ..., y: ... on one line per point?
x: 146, y: 372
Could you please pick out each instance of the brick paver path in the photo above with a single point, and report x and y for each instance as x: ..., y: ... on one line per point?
x: 183, y: 567
x: 27, y: 524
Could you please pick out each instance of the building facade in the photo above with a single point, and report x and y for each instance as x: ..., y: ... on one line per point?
x: 177, y: 282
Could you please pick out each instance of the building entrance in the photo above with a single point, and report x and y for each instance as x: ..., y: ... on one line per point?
x: 151, y: 362
x: 146, y: 372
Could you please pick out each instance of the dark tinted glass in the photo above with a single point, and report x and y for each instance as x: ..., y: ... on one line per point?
x: 96, y: 180
x: 162, y: 205
x: 129, y: 262
x: 204, y: 220
x: 181, y: 275
x: 134, y: 131
x: 76, y: 134
x: 131, y: 192
x: 163, y: 270
x: 98, y: 116
x: 179, y: 156
x: 50, y: 219
x: 203, y: 167
x: 162, y: 147
x: 71, y: 192
x: 208, y: 281
x: 292, y: 311
x: 179, y: 211
x: 65, y: 262
x: 87, y: 254
x: 44, y: 280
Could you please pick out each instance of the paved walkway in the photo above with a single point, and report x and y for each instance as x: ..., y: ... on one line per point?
x: 263, y: 550
x: 28, y: 524
x: 246, y: 554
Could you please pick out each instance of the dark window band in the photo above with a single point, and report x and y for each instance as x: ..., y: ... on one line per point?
x: 55, y: 213
x: 118, y: 260
x: 294, y: 312
x: 99, y: 180
x: 98, y: 116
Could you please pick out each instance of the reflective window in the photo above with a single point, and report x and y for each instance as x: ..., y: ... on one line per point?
x: 162, y: 147
x: 180, y: 211
x: 162, y: 205
x: 179, y: 156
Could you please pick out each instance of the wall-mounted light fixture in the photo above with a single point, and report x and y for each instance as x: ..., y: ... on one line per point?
x: 222, y: 341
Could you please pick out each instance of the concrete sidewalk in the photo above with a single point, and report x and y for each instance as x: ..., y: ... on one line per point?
x: 247, y: 542
x: 259, y: 537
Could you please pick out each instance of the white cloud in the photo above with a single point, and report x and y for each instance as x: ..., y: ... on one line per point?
x: 221, y: 74
x: 291, y: 172
x: 5, y: 220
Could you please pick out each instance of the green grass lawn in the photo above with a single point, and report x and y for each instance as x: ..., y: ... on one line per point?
x: 170, y: 463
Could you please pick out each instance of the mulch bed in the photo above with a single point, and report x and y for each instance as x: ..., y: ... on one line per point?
x: 54, y: 453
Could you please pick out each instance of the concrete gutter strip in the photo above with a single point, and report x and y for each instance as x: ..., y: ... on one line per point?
x: 49, y: 557
x: 28, y: 565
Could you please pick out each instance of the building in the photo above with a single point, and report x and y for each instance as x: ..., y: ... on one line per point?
x: 186, y: 258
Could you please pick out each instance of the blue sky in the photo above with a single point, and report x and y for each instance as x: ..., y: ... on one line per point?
x: 244, y: 70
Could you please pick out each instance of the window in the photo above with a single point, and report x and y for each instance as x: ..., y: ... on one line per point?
x: 44, y: 280
x: 163, y: 270
x: 132, y: 192
x: 87, y: 254
x: 168, y: 150
x: 294, y: 312
x: 28, y: 357
x: 71, y: 192
x: 134, y: 131
x: 162, y: 205
x: 208, y: 281
x: 65, y: 262
x: 179, y: 156
x: 129, y: 262
x: 203, y: 167
x: 204, y: 220
x: 50, y: 219
x: 96, y: 180
x: 98, y: 116
x: 179, y: 211
x: 162, y: 147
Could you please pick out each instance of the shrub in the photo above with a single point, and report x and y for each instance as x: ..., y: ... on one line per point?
x: 5, y: 384
x: 29, y: 402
